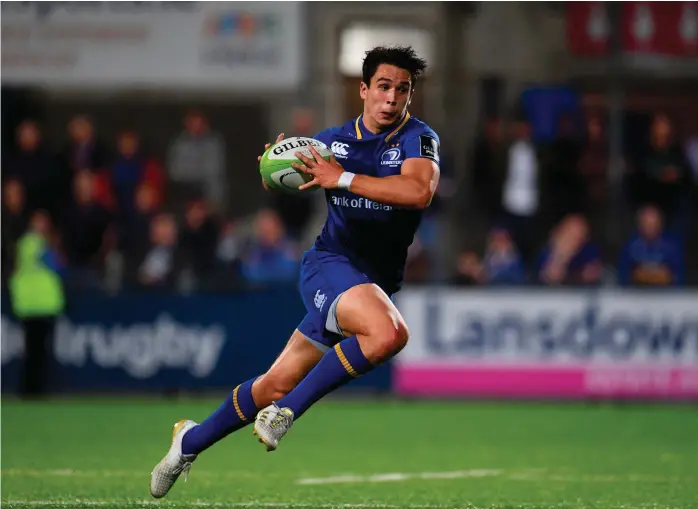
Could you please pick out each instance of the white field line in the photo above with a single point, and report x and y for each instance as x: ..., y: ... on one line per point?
x: 394, y: 477
x: 532, y: 475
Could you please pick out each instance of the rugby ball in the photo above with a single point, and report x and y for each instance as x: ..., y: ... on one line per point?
x: 275, y: 166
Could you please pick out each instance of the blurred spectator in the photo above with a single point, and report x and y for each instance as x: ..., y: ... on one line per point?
x: 570, y: 257
x: 567, y: 190
x: 417, y: 266
x: 86, y: 233
x: 468, y: 269
x: 489, y: 168
x: 521, y: 192
x: 593, y: 167
x: 691, y: 147
x: 594, y: 160
x: 198, y: 238
x: 303, y: 121
x: 229, y: 248
x: 196, y: 162
x: 36, y: 293
x: 651, y: 258
x: 38, y: 171
x: 661, y: 172
x: 83, y: 151
x: 691, y: 150
x: 134, y: 229
x: 160, y: 266
x: 502, y: 263
x: 271, y: 258
x: 14, y: 221
x: 130, y: 169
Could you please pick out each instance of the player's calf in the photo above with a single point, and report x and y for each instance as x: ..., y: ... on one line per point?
x: 241, y: 407
x: 292, y: 365
x: 271, y: 387
x: 338, y: 366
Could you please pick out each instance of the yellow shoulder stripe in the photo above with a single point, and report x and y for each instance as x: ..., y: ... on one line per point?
x: 358, y: 129
x: 359, y: 136
x: 402, y: 124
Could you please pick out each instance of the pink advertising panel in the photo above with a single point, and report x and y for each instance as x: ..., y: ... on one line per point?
x: 549, y: 344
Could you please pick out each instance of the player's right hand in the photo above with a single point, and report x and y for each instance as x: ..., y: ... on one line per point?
x: 259, y: 158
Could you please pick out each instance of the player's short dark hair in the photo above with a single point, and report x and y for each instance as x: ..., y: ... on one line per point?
x: 403, y: 57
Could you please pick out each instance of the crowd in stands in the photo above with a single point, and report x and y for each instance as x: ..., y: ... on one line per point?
x: 106, y: 219
x: 109, y: 225
x: 550, y: 208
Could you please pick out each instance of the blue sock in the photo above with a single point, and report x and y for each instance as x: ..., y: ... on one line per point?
x: 337, y: 367
x: 237, y: 411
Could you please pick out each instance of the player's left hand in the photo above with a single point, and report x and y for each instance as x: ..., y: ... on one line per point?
x: 325, y: 173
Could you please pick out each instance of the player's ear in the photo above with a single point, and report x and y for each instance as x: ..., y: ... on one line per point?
x: 363, y: 90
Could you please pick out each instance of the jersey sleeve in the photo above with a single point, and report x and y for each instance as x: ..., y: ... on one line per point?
x: 424, y: 143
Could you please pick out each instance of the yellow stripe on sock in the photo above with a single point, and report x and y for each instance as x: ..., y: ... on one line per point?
x: 344, y: 361
x: 237, y: 407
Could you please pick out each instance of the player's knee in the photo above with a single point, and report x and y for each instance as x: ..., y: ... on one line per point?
x: 387, y: 339
x: 403, y: 334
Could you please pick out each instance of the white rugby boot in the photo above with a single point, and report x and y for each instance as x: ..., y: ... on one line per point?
x: 271, y: 424
x: 165, y: 473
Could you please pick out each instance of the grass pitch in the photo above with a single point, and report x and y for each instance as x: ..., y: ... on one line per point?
x: 99, y: 453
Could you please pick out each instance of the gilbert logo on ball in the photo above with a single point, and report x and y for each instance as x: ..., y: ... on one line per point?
x: 275, y: 166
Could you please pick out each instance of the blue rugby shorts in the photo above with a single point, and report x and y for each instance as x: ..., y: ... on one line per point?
x: 323, y: 278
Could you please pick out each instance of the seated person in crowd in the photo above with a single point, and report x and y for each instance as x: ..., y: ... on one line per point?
x: 199, y: 238
x: 468, y: 269
x: 159, y: 267
x: 651, y: 258
x: 570, y: 258
x: 502, y: 262
x: 271, y: 257
x: 87, y: 233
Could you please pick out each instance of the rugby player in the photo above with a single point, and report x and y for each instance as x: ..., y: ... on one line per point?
x: 383, y: 175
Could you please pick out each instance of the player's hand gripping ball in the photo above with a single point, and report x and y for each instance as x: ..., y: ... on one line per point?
x: 275, y: 164
x: 325, y: 172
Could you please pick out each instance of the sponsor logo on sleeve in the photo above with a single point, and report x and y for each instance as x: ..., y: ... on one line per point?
x: 428, y: 147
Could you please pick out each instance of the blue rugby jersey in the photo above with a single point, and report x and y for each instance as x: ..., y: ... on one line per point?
x: 374, y: 236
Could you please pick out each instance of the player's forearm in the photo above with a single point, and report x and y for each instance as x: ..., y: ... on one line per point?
x: 396, y: 190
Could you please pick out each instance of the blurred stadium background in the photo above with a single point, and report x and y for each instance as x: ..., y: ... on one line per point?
x: 559, y: 260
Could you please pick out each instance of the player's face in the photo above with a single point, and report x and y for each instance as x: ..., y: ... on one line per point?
x: 387, y: 97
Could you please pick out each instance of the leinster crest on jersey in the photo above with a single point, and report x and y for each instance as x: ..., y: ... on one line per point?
x: 391, y: 157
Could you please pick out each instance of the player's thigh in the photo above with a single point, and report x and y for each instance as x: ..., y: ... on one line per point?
x: 296, y: 360
x: 325, y: 277
x: 367, y: 312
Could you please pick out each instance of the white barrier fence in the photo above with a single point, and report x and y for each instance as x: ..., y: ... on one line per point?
x: 549, y: 343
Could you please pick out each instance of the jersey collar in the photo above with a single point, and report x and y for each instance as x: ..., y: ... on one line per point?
x: 359, y: 128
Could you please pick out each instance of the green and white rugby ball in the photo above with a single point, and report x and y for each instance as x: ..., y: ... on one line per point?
x: 275, y: 166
